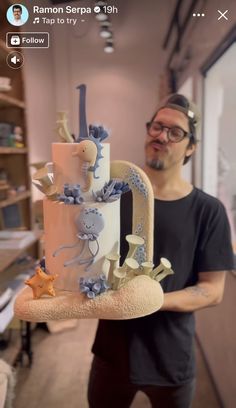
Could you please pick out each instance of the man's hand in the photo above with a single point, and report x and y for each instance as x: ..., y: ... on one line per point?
x: 207, y: 292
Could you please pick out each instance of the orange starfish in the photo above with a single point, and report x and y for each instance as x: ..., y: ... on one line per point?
x: 41, y: 283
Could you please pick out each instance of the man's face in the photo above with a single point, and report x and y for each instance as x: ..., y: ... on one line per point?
x: 161, y: 154
x: 17, y: 13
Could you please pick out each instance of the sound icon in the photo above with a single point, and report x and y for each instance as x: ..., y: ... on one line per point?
x: 15, y: 60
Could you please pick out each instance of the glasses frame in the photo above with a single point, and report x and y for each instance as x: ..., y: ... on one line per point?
x: 163, y: 127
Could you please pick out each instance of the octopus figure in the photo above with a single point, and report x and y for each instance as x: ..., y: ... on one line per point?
x: 89, y: 224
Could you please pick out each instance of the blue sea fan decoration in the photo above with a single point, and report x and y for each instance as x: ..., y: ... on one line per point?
x: 111, y: 191
x: 93, y: 287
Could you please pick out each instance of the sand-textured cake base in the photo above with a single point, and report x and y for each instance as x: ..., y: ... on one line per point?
x: 139, y: 297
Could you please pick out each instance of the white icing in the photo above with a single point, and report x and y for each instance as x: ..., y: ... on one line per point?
x: 60, y: 229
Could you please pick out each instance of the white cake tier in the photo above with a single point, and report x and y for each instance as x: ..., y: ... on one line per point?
x: 69, y: 169
x: 60, y: 229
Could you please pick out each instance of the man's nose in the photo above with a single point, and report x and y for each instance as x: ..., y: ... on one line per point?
x: 163, y: 136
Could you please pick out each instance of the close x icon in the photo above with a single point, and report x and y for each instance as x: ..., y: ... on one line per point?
x: 222, y: 14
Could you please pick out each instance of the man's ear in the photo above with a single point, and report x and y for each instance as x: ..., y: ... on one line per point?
x: 190, y: 150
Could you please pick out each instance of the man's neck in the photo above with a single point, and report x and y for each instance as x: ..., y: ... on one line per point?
x: 168, y: 184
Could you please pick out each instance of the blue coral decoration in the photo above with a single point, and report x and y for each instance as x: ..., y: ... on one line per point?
x: 140, y: 254
x: 71, y: 195
x: 93, y: 287
x: 111, y: 191
x: 98, y: 132
x: 136, y: 181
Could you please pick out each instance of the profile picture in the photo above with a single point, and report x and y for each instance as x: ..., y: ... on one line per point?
x: 17, y: 14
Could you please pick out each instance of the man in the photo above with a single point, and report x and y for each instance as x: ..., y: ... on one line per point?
x: 155, y: 354
x: 17, y: 13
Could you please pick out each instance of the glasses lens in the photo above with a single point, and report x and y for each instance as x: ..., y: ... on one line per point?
x: 154, y: 129
x: 176, y: 134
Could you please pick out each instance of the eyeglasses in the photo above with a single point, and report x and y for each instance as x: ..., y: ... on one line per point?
x: 174, y: 134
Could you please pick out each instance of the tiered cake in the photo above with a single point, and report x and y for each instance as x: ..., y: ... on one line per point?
x: 81, y: 271
x: 99, y: 231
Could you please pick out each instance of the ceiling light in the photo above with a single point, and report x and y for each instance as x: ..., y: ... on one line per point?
x: 105, y: 33
x: 101, y: 16
x: 106, y: 23
x: 109, y: 47
x: 101, y: 3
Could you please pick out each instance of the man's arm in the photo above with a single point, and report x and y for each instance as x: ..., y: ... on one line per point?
x: 207, y: 292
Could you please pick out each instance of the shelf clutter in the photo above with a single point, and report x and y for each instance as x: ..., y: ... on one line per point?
x: 16, y: 239
x: 19, y: 241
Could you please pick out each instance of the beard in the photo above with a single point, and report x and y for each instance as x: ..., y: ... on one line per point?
x: 160, y: 164
x: 155, y: 164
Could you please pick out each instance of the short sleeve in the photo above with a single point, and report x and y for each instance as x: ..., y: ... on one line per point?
x: 215, y: 252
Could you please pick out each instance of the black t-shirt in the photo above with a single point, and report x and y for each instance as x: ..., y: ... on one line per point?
x: 193, y: 233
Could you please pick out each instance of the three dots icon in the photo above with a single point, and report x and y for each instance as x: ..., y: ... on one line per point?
x: 198, y: 14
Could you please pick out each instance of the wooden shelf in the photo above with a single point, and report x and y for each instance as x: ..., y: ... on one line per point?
x: 4, y: 187
x: 7, y: 101
x: 8, y: 256
x: 15, y: 161
x: 13, y: 200
x: 13, y: 150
